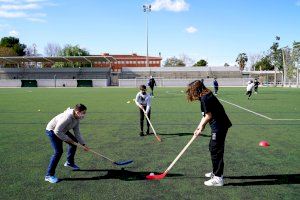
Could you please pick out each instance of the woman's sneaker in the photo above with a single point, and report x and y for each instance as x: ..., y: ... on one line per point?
x: 74, y: 166
x: 51, y: 179
x: 209, y: 175
x: 214, y: 181
x: 142, y: 134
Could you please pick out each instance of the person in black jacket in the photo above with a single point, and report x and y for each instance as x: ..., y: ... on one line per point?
x: 256, y: 83
x: 216, y: 86
x: 151, y: 84
x: 214, y: 114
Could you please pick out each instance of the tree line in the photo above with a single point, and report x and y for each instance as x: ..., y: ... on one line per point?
x: 11, y: 46
x: 274, y: 58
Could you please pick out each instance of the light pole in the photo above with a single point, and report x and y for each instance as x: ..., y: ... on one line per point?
x: 147, y: 9
x: 297, y: 65
x: 284, y: 65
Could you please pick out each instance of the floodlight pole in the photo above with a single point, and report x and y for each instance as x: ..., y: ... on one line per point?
x: 298, y: 67
x: 284, y: 65
x: 147, y: 9
x: 298, y: 75
x: 55, y: 80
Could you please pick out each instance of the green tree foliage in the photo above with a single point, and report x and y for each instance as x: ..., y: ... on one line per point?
x: 263, y: 64
x: 6, y: 52
x: 296, y: 52
x: 14, y: 44
x: 226, y: 65
x: 242, y: 60
x: 70, y: 50
x: 174, y: 62
x: 201, y: 63
x: 289, y: 62
x: 276, y: 54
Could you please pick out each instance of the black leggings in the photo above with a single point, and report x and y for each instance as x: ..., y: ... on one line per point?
x: 216, y: 148
x: 249, y: 93
x: 142, y: 119
x: 152, y: 90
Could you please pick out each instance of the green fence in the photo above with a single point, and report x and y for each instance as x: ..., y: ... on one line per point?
x: 84, y: 83
x: 29, y: 83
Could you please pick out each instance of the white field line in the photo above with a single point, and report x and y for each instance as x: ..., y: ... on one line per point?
x: 246, y: 109
x: 258, y: 114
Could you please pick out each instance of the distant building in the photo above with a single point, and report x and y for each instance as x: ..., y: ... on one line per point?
x: 132, y: 60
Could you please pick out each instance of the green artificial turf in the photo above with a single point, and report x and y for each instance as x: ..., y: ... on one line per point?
x: 111, y: 128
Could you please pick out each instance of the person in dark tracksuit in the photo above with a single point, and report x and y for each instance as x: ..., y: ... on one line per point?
x: 151, y: 84
x: 143, y: 101
x: 216, y: 86
x: 256, y: 83
x: 214, y: 114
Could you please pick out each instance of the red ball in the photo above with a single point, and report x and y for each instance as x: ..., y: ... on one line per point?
x: 264, y: 143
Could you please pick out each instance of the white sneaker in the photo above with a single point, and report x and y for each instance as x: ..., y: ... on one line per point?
x: 74, y: 166
x: 51, y: 179
x: 209, y: 175
x: 214, y: 181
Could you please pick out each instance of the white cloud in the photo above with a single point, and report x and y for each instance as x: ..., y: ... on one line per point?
x: 8, y: 1
x: 24, y: 9
x: 34, y: 1
x: 13, y: 33
x: 5, y: 14
x: 191, y: 29
x: 30, y: 6
x: 170, y: 5
x: 36, y: 19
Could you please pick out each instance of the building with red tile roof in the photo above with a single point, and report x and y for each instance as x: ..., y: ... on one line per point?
x: 132, y: 60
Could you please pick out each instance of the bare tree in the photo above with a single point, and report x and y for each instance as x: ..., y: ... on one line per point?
x: 254, y: 58
x: 31, y: 50
x: 187, y: 60
x: 52, y: 49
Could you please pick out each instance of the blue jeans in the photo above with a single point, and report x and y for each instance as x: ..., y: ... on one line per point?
x: 57, y: 145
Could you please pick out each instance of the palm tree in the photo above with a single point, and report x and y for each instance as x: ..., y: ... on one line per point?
x: 242, y: 60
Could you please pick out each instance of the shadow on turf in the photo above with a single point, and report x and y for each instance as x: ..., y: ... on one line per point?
x: 123, y: 175
x: 277, y: 179
x: 182, y: 134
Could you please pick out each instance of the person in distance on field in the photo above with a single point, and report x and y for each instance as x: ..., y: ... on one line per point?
x: 256, y: 83
x: 151, y: 84
x: 249, y: 88
x: 58, y: 132
x: 214, y: 114
x: 216, y: 86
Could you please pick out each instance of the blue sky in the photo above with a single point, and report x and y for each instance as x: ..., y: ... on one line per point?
x: 216, y: 30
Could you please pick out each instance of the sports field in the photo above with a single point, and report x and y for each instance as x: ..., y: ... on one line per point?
x: 111, y: 127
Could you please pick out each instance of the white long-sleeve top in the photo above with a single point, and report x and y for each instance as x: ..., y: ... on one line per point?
x: 144, y: 100
x: 250, y: 86
x: 64, y: 122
